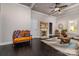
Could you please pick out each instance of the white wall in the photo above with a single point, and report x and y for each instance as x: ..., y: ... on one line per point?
x: 14, y: 16
x: 70, y: 14
x: 0, y: 24
x: 36, y: 18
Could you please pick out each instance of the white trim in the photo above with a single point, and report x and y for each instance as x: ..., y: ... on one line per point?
x: 23, y: 5
x: 36, y: 37
x: 70, y: 7
x: 5, y: 43
x: 32, y: 5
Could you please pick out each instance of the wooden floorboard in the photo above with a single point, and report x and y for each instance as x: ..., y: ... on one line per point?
x: 37, y: 48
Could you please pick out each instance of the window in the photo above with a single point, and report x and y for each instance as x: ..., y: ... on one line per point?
x: 72, y: 26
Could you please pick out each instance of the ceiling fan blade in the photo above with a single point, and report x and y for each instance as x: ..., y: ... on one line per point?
x: 63, y: 6
x: 52, y: 12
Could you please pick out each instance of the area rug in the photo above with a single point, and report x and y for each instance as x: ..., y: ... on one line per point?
x: 68, y: 49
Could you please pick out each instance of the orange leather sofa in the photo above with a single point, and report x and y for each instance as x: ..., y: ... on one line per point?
x: 21, y: 36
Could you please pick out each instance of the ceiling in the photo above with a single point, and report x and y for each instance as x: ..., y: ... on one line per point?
x: 47, y: 8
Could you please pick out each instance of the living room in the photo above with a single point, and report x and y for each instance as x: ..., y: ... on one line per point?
x: 41, y: 19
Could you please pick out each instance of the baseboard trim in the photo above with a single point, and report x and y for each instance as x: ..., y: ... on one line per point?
x: 6, y: 43
x: 36, y: 37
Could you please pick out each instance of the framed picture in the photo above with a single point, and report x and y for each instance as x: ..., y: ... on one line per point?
x: 60, y: 26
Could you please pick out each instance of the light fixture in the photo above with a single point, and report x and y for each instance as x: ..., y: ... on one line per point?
x: 56, y: 9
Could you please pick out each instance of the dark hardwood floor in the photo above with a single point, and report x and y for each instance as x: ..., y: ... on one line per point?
x: 37, y: 48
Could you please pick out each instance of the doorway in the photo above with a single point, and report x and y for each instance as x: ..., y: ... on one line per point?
x: 50, y: 30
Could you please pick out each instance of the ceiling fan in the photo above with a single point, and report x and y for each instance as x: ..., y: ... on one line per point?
x: 57, y: 8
